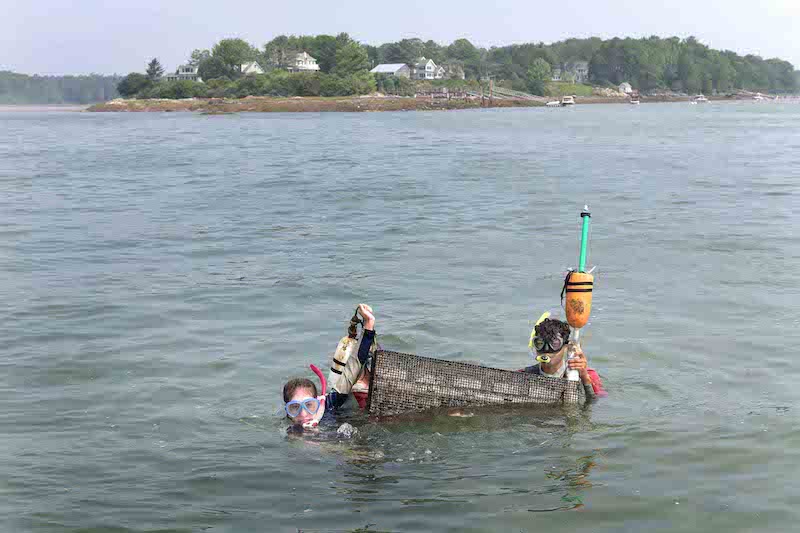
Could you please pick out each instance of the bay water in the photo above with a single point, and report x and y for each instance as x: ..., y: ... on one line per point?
x: 162, y: 275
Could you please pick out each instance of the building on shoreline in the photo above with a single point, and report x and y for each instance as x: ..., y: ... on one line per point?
x: 251, y: 68
x: 303, y: 62
x: 625, y: 88
x: 426, y: 69
x: 183, y: 72
x: 399, y: 70
x: 573, y: 71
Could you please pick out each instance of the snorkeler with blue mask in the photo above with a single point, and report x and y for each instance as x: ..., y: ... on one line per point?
x: 302, y: 404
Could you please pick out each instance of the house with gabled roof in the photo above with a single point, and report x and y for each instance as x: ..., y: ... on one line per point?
x: 426, y: 69
x: 303, y: 62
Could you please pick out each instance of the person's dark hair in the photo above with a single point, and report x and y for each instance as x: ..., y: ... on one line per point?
x: 551, y: 327
x: 298, y: 383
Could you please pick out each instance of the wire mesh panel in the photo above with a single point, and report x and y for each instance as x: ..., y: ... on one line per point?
x: 403, y: 382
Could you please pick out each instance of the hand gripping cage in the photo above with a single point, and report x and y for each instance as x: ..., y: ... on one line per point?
x: 403, y: 382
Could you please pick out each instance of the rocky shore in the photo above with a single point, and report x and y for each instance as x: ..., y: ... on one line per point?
x: 297, y: 104
x: 302, y: 104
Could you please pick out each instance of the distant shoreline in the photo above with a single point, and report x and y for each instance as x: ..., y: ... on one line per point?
x: 300, y: 104
x: 352, y: 104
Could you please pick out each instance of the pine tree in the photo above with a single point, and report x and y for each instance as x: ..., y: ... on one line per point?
x: 154, y: 70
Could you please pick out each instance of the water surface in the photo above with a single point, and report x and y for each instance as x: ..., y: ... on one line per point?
x: 161, y: 276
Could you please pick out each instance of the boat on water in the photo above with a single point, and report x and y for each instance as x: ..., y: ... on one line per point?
x: 554, y: 103
x: 567, y: 101
x: 634, y: 98
x: 760, y: 97
x: 700, y: 99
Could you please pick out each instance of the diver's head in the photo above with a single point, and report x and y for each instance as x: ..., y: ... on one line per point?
x: 300, y: 397
x: 550, y: 342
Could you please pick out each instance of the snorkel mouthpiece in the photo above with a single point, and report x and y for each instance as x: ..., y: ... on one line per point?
x: 543, y: 358
x: 321, y: 411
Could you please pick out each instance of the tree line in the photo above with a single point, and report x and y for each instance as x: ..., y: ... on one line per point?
x: 649, y: 64
x: 23, y: 89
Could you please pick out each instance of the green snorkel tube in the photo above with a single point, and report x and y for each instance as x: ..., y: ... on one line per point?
x: 586, y: 216
x: 577, y: 293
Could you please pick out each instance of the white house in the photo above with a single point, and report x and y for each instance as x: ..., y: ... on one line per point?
x: 251, y: 68
x: 400, y: 70
x: 183, y: 72
x: 580, y: 69
x: 625, y: 87
x: 303, y: 63
x: 556, y: 74
x: 426, y: 69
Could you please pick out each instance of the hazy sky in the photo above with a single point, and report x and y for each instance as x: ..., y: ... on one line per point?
x: 83, y: 36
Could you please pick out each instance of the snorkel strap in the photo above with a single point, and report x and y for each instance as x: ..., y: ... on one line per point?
x: 540, y: 358
x: 321, y: 411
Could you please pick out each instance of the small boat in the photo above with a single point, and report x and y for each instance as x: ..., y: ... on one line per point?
x: 567, y: 100
x: 554, y: 103
x: 759, y: 97
x: 700, y: 99
x: 635, y: 98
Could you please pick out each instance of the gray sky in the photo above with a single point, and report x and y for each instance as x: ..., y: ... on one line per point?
x: 83, y: 36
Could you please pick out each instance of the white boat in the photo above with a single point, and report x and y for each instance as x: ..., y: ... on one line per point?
x: 567, y: 100
x: 700, y: 99
x: 634, y: 98
x: 554, y: 103
x: 759, y: 97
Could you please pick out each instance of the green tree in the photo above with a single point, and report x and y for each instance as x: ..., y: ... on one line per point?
x: 468, y: 54
x: 133, y: 84
x: 233, y: 53
x: 406, y: 51
x: 324, y: 51
x: 154, y: 70
x: 214, y: 68
x: 197, y: 57
x: 351, y: 58
x: 361, y: 83
x: 304, y: 84
x: 538, y: 74
x: 280, y: 52
x: 433, y: 50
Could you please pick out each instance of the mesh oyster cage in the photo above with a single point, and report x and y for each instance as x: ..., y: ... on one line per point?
x: 404, y: 382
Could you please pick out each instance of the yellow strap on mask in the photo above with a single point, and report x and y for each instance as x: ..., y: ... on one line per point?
x: 542, y: 318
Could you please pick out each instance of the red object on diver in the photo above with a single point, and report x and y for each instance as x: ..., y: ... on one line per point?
x: 321, y: 377
x: 597, y: 385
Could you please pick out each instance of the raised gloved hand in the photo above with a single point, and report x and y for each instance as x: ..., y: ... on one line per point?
x: 368, y: 315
